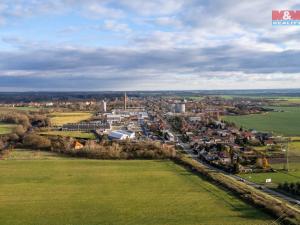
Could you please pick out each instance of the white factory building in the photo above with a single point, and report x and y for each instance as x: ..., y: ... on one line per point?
x: 103, y: 106
x: 178, y: 107
x: 121, y: 135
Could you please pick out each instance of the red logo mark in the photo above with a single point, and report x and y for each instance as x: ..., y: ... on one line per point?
x: 285, y: 14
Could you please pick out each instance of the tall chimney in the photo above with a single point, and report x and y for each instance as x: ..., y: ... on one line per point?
x: 125, y: 101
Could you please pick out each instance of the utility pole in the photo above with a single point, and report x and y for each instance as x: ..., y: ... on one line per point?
x: 286, y: 149
x: 287, y: 154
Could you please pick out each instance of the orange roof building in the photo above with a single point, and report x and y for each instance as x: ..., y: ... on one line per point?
x: 78, y: 145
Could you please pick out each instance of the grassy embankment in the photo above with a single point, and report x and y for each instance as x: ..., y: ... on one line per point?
x: 28, y: 154
x: 286, y: 213
x: 80, y: 191
x: 6, y: 128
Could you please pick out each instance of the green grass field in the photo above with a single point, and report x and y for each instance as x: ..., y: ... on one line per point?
x: 88, y: 192
x: 75, y: 134
x: 6, y: 128
x: 285, y: 123
x: 60, y: 118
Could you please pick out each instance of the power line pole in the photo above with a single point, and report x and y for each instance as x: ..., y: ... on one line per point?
x: 286, y: 149
x: 287, y: 154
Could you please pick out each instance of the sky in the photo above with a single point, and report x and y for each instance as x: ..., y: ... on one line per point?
x: 116, y: 45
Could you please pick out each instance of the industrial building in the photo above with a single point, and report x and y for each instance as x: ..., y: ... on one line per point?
x: 121, y: 135
x: 103, y: 106
x: 180, y: 107
x: 88, y: 126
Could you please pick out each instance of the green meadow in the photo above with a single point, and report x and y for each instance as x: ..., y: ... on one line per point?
x: 285, y: 122
x: 47, y: 191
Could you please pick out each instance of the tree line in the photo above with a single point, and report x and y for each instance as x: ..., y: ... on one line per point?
x: 100, y: 150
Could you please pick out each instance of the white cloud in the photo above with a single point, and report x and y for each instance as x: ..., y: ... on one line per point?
x: 177, y: 44
x: 116, y: 26
x: 97, y: 10
x: 168, y: 21
x: 153, y: 7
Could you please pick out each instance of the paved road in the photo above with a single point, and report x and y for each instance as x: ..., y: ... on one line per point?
x: 255, y: 185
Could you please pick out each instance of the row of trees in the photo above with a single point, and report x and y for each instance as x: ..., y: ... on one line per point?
x: 292, y: 188
x: 103, y: 150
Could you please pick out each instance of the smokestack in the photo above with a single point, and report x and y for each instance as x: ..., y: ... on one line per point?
x: 125, y: 101
x: 103, y: 106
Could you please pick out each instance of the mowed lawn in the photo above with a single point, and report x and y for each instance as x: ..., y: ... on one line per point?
x: 60, y: 118
x: 88, y: 192
x: 6, y: 128
x: 285, y: 123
